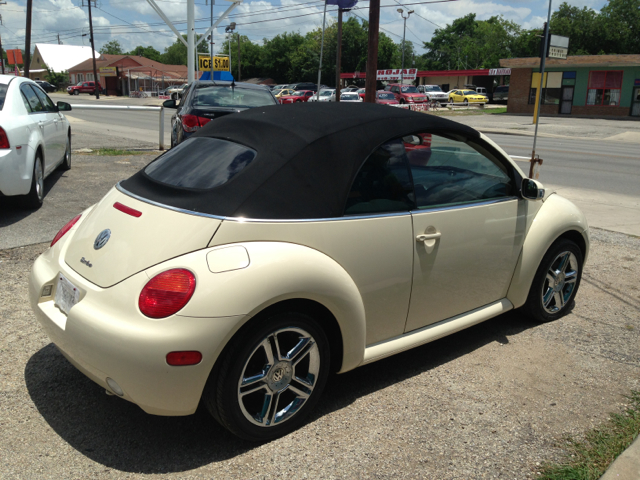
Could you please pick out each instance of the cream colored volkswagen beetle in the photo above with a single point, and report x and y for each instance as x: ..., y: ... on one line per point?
x: 282, y: 243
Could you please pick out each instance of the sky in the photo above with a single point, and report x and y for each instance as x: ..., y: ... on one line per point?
x: 134, y: 22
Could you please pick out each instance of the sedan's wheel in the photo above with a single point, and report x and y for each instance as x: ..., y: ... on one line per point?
x: 76, y: 92
x: 450, y: 99
x: 466, y: 102
x: 66, y: 162
x: 270, y: 378
x: 556, y: 282
x: 36, y: 195
x: 401, y: 101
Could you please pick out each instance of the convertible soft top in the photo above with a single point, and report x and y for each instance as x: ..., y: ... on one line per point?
x: 307, y: 157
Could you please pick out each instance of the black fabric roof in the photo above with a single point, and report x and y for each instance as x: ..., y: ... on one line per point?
x: 308, y: 156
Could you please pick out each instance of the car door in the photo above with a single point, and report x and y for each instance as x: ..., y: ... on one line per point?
x: 43, y: 123
x: 58, y: 136
x: 468, y: 227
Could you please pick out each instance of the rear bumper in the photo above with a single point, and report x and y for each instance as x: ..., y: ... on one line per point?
x: 105, y: 335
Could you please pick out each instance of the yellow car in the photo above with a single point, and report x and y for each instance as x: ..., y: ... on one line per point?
x: 466, y: 97
x: 286, y: 91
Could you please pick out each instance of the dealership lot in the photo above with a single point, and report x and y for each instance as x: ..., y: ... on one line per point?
x: 491, y: 401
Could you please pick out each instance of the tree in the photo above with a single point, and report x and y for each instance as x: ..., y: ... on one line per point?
x: 275, y: 60
x: 619, y: 22
x: 176, y: 54
x: 147, y: 52
x: 112, y: 47
x: 580, y: 25
x: 56, y: 78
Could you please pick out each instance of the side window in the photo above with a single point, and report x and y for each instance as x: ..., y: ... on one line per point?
x: 45, y: 100
x: 448, y: 172
x: 383, y: 183
x: 32, y: 98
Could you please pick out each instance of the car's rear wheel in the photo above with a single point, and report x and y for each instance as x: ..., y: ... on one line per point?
x: 270, y: 378
x: 556, y: 282
x: 66, y: 162
x: 35, y: 196
x: 450, y: 99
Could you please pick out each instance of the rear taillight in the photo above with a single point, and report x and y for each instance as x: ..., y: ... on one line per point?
x: 167, y: 293
x: 191, y: 123
x: 4, y: 140
x: 65, y: 229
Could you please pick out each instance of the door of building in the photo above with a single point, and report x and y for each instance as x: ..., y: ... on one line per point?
x: 567, y: 100
x: 635, y: 102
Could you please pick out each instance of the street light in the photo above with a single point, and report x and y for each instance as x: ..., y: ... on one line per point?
x: 229, y: 30
x: 401, y: 12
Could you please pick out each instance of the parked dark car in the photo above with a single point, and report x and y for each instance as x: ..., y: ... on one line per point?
x: 202, y: 101
x: 308, y: 86
x: 46, y: 86
x: 501, y: 94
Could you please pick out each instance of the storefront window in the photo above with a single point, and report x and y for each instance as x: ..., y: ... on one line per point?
x: 604, y: 87
x: 551, y: 91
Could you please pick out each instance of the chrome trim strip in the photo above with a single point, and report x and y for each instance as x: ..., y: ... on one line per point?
x: 168, y: 207
x: 304, y: 220
x: 466, y: 205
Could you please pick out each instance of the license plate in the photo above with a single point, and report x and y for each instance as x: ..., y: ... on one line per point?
x: 67, y: 295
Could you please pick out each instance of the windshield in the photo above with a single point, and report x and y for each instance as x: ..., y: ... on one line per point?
x: 79, y: 84
x: 326, y: 93
x: 386, y: 96
x: 468, y: 92
x: 200, y: 163
x: 223, y: 96
x: 299, y: 93
x: 409, y: 90
x: 350, y: 96
x: 432, y: 88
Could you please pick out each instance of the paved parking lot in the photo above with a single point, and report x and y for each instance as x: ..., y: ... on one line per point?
x: 493, y: 401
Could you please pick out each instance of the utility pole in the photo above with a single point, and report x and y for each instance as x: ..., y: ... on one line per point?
x: 27, y: 40
x: 93, y: 52
x: 238, y: 56
x: 372, y: 53
x: 213, y: 2
x: 339, y: 55
x: 1, y: 55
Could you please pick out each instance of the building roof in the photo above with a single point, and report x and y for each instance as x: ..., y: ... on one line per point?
x: 62, y: 57
x: 574, y: 61
x: 145, y: 65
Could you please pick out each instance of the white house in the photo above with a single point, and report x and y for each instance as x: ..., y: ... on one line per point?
x: 59, y: 58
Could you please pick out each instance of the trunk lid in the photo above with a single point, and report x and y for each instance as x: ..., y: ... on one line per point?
x: 135, y: 243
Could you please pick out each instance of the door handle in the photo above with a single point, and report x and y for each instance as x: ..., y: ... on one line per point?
x: 428, y: 236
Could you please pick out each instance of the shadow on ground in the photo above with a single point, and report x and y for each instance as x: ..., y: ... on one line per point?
x: 13, y: 209
x: 119, y: 435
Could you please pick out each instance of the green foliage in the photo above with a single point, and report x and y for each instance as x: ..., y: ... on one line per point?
x: 176, y: 54
x: 588, y: 459
x: 112, y: 47
x: 147, y: 52
x: 56, y: 79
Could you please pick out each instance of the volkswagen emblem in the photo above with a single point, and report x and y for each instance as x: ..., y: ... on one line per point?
x: 102, y: 239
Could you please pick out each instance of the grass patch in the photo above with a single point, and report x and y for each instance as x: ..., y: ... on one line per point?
x: 445, y: 112
x: 114, y: 152
x: 588, y: 459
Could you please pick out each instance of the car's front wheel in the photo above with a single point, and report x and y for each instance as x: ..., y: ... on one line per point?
x: 466, y: 102
x: 76, y: 92
x: 270, y: 377
x: 556, y: 282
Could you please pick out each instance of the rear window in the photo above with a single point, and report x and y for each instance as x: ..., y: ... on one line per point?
x: 222, y: 96
x: 200, y: 163
x: 3, y: 95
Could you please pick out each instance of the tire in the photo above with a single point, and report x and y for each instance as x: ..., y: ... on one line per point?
x: 35, y: 197
x: 174, y: 96
x: 295, y: 384
x: 66, y: 162
x: 466, y: 102
x: 556, y: 282
x: 76, y: 92
x: 450, y: 99
x: 402, y: 101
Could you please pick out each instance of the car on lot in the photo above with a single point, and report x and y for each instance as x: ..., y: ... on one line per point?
x: 386, y: 98
x: 361, y: 92
x: 284, y: 91
x: 501, y: 94
x: 35, y: 139
x: 326, y: 95
x: 466, y: 97
x: 46, y: 86
x: 406, y: 93
x: 277, y: 245
x: 205, y: 100
x: 350, y: 97
x: 297, y: 96
x: 433, y: 93
x: 84, y: 87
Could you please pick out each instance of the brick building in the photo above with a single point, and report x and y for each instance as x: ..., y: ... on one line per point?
x: 591, y: 85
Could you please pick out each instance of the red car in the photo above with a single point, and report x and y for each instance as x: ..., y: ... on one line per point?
x: 84, y: 87
x: 406, y: 93
x: 361, y: 93
x: 386, y: 98
x: 299, y: 96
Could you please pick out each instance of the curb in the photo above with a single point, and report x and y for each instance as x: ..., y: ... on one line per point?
x: 627, y: 465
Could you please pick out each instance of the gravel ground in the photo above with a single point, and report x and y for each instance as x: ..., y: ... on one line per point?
x: 493, y: 401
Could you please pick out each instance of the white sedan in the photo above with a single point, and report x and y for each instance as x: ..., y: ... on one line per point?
x: 35, y: 138
x: 326, y: 95
x: 350, y: 97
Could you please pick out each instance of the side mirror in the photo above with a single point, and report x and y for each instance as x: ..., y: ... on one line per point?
x: 531, y: 189
x: 169, y: 104
x: 63, y: 107
x: 412, y: 140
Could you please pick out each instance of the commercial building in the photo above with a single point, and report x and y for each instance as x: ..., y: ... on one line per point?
x: 589, y: 85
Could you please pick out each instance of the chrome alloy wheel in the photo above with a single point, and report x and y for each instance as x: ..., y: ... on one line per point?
x: 560, y: 282
x: 279, y: 377
x: 39, y: 179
